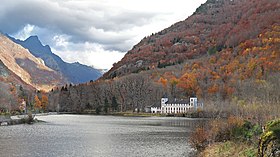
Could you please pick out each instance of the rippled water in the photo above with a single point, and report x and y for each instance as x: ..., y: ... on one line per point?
x: 98, y: 136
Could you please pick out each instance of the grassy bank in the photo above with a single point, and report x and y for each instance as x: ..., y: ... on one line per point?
x: 236, y: 136
x: 230, y: 148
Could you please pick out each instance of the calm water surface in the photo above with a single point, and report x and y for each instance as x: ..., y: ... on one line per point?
x: 98, y: 136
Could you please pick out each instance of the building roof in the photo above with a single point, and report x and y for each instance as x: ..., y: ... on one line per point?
x: 178, y: 101
x: 165, y: 96
x: 193, y: 94
x: 157, y: 104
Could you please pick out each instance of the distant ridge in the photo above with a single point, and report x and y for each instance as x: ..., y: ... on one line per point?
x: 73, y: 72
x: 30, y: 69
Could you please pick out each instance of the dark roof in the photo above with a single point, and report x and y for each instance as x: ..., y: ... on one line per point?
x: 157, y: 104
x: 178, y: 101
x: 165, y: 96
x: 193, y: 95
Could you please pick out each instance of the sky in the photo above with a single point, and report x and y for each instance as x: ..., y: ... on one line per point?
x: 93, y: 32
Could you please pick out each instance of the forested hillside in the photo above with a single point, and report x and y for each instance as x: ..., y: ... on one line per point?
x: 12, y: 89
x: 216, y: 25
x: 226, y: 53
x: 218, y: 75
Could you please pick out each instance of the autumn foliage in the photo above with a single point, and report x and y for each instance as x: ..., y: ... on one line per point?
x: 44, y: 102
x: 218, y: 74
x: 37, y: 103
x: 226, y: 53
x: 216, y: 25
x: 199, y: 138
x: 233, y: 128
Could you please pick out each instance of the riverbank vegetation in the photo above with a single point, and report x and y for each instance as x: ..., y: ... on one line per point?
x: 237, y: 136
x: 229, y: 148
x: 23, y: 106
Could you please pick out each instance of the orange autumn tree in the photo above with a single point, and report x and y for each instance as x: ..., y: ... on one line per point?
x: 44, y: 102
x: 213, y: 89
x: 163, y: 81
x: 37, y: 103
x: 189, y: 83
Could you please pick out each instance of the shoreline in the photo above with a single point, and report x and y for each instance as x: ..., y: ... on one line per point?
x: 24, y: 119
x: 128, y: 114
x: 8, y: 120
x: 200, y: 114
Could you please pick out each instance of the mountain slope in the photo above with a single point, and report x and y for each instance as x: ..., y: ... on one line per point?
x: 215, y: 25
x: 245, y: 71
x: 30, y: 69
x: 73, y: 72
x: 231, y: 56
x: 10, y: 86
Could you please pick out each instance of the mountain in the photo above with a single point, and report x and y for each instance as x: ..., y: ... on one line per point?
x: 227, y: 54
x: 73, y: 72
x: 216, y: 25
x: 11, y: 86
x: 28, y: 68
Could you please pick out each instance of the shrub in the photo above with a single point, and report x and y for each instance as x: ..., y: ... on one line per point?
x: 250, y: 152
x: 5, y: 113
x: 246, y: 132
x: 269, y: 143
x: 234, y: 128
x: 212, y: 50
x: 29, y: 119
x: 218, y: 131
x: 198, y: 138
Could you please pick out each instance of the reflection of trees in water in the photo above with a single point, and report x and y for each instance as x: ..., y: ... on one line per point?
x: 185, y: 123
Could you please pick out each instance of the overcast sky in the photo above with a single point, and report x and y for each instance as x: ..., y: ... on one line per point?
x: 92, y: 32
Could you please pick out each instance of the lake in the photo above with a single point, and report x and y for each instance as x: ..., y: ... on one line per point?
x: 98, y: 136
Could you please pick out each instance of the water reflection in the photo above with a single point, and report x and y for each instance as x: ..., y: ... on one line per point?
x: 101, y: 136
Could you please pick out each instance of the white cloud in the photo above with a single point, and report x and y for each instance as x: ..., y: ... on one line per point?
x: 79, y: 29
x: 25, y: 32
x: 61, y: 41
x: 90, y: 53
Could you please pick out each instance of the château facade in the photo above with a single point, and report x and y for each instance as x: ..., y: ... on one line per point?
x: 176, y: 106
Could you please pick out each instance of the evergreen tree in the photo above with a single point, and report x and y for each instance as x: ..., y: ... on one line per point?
x: 22, y: 93
x: 106, y: 105
x: 97, y: 110
x: 114, y: 103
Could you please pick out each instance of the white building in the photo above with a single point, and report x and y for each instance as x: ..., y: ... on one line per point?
x: 155, y: 109
x: 176, y: 106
